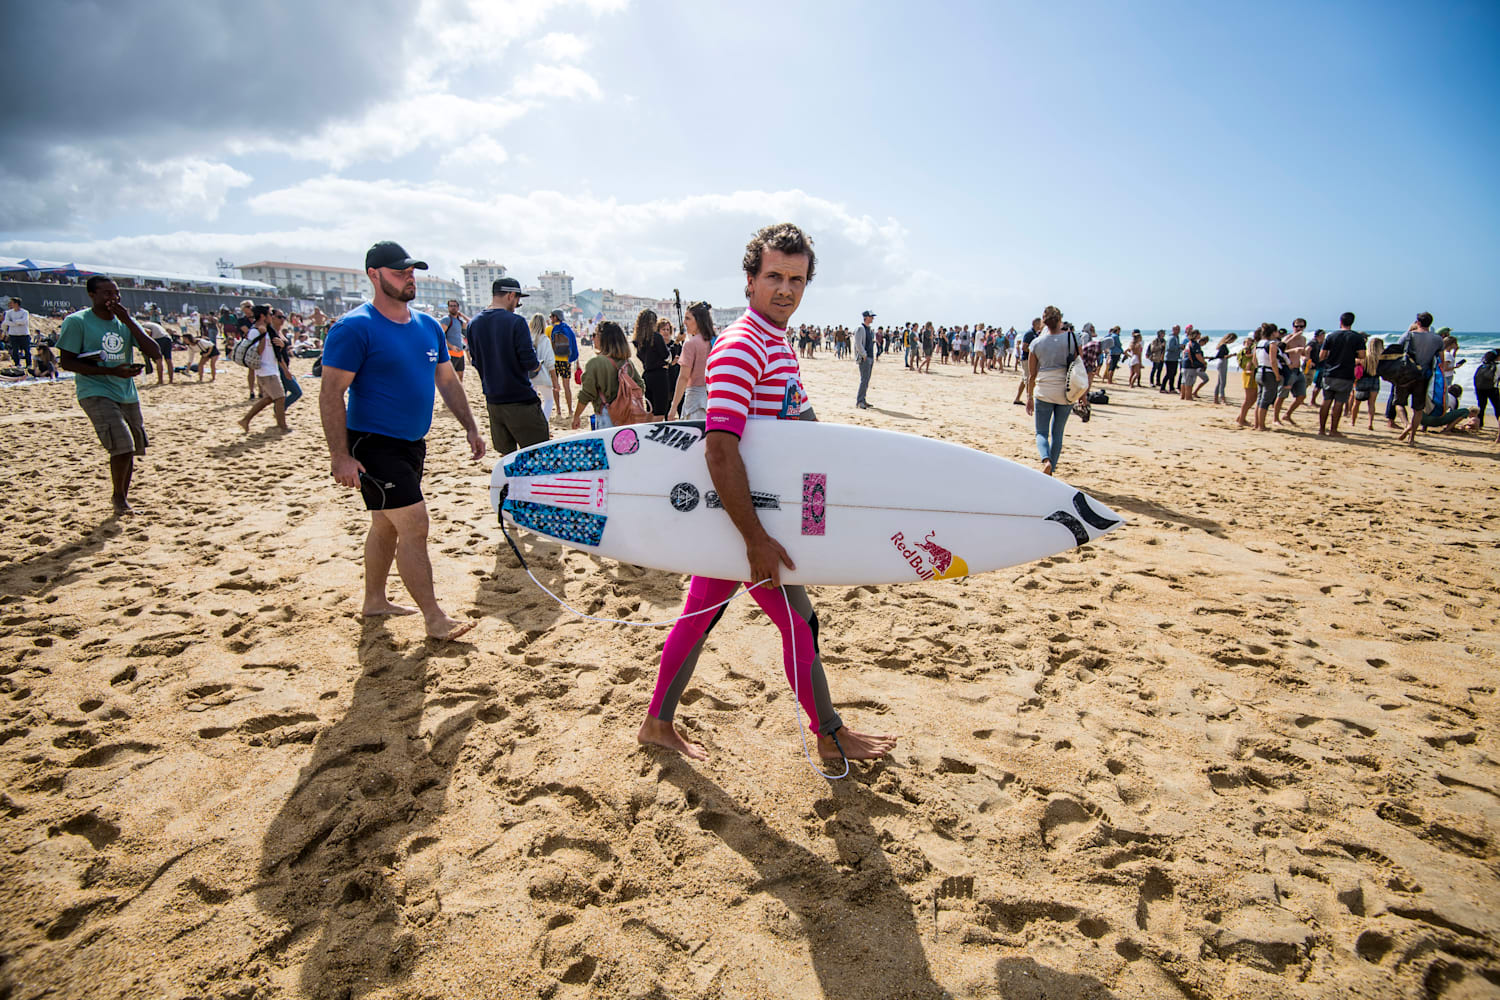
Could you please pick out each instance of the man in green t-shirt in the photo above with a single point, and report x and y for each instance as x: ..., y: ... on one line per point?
x: 97, y: 345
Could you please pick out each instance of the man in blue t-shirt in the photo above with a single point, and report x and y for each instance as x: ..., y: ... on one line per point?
x: 392, y: 361
x: 96, y: 344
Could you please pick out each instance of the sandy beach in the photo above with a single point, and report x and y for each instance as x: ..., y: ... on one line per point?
x: 1243, y: 747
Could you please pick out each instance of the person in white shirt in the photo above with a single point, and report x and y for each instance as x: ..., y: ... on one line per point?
x: 17, y: 326
x: 158, y: 333
x: 268, y: 323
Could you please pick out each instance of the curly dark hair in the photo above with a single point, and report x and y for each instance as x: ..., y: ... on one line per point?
x: 645, y: 326
x: 783, y: 237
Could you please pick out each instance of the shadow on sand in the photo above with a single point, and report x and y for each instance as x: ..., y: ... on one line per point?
x: 858, y: 922
x: 44, y: 571
x: 374, y: 779
x: 1159, y: 511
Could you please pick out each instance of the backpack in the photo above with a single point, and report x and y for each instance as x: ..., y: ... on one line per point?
x: 1399, y: 369
x: 629, y: 404
x: 560, y: 346
x: 1484, y: 378
x: 247, y: 350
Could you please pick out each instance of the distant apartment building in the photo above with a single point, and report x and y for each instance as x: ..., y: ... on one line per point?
x: 315, y: 280
x: 557, y: 290
x: 623, y: 309
x: 724, y: 315
x: 434, y: 292
x: 479, y: 278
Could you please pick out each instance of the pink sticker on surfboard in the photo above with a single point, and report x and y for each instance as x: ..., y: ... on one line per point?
x: 625, y: 442
x: 814, y: 497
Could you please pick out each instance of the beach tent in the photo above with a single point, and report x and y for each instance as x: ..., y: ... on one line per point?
x: 68, y: 271
x: 24, y: 264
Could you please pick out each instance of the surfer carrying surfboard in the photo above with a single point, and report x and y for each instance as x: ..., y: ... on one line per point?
x: 752, y: 374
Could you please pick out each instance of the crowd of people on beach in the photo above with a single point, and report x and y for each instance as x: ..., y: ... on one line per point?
x: 1280, y: 370
x: 1299, y: 366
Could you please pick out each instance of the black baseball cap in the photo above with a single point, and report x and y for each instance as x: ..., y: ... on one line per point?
x: 868, y: 313
x: 391, y: 255
x: 504, y: 286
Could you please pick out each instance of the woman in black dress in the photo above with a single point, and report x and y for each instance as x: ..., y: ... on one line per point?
x: 652, y: 351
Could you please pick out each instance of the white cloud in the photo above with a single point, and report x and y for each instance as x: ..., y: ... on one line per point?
x: 466, y: 34
x: 478, y: 153
x: 556, y: 81
x: 80, y: 185
x: 560, y: 46
x: 693, y: 243
x: 643, y: 247
x: 189, y: 187
x: 395, y: 129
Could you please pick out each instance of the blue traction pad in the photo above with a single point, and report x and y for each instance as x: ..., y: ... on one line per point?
x: 562, y: 456
x: 570, y: 525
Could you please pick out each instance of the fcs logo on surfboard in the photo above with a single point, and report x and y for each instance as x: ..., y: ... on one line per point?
x: 929, y: 559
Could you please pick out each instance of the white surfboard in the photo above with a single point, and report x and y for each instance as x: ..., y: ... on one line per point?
x: 851, y: 505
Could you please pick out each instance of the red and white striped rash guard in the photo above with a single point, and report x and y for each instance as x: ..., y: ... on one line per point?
x: 752, y: 375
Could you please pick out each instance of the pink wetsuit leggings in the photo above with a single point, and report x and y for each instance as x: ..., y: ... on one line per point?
x: 679, y: 655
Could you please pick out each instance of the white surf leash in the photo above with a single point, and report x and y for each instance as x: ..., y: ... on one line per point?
x: 796, y: 694
x: 797, y: 701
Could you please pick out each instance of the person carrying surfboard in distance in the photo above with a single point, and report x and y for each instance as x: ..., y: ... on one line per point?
x: 752, y: 374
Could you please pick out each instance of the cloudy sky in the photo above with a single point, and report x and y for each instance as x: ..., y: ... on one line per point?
x: 1140, y: 164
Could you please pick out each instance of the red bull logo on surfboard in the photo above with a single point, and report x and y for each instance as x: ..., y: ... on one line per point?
x: 930, y: 560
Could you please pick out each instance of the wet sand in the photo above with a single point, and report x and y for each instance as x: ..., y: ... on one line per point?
x: 1244, y: 747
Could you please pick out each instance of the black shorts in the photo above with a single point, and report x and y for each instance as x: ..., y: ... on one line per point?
x: 1415, y: 394
x: 165, y: 343
x: 393, y: 469
x: 458, y: 362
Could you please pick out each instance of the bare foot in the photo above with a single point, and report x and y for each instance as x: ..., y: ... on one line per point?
x: 447, y: 629
x: 656, y: 733
x: 1046, y: 468
x: 122, y: 508
x: 857, y: 746
x: 1335, y: 434
x: 244, y: 424
x: 386, y: 607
